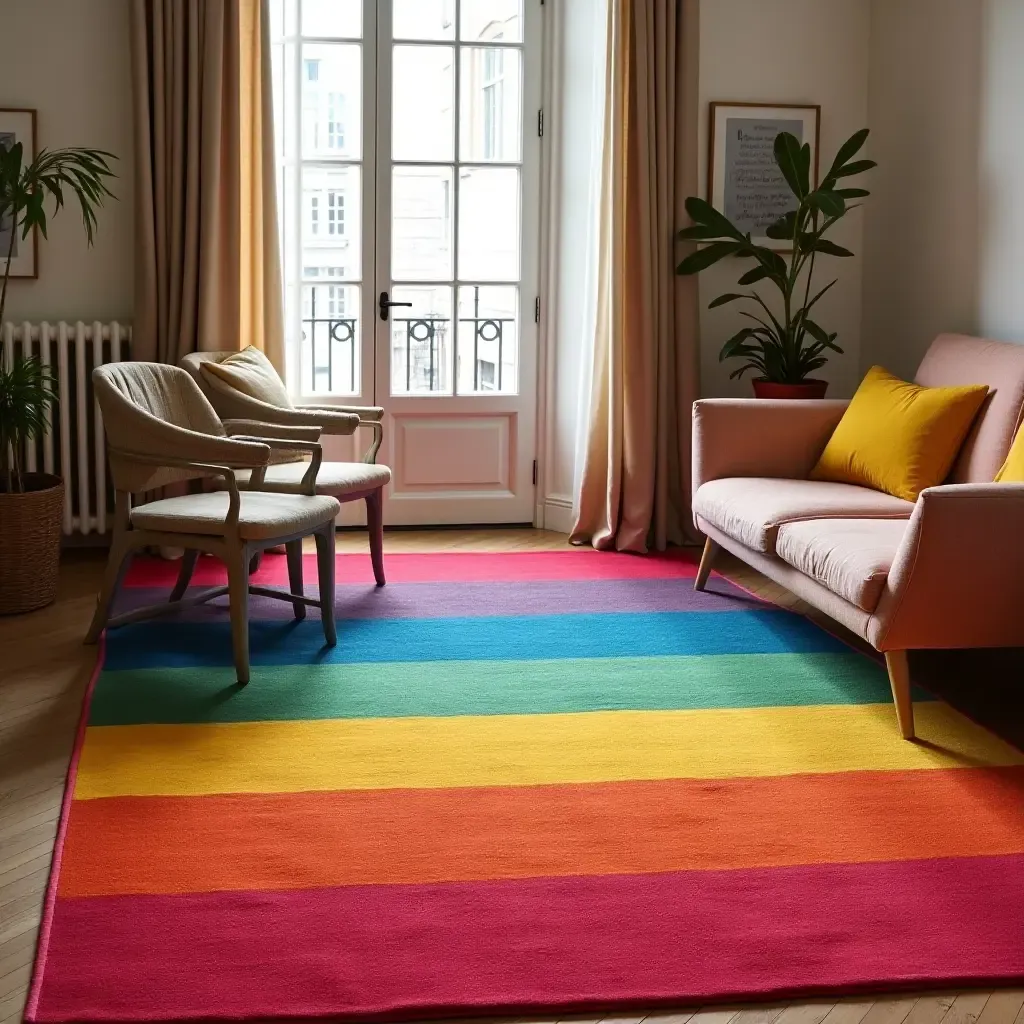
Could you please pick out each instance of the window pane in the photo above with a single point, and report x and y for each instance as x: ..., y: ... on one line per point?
x: 421, y: 341
x: 331, y: 101
x: 422, y: 204
x: 488, y: 339
x: 330, y: 218
x: 490, y: 114
x: 423, y: 103
x: 329, y: 354
x: 332, y: 18
x: 424, y: 19
x: 489, y: 223
x: 492, y: 19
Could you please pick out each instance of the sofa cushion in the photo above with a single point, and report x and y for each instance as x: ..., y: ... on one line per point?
x: 751, y: 509
x: 850, y: 557
x: 956, y: 359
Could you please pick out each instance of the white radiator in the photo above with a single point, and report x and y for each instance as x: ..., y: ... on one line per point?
x: 73, y: 444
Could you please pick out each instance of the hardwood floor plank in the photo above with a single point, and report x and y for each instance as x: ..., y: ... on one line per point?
x: 848, y: 1011
x: 890, y: 1011
x: 16, y: 981
x: 29, y: 837
x: 715, y: 1015
x: 966, y: 1008
x: 1003, y: 1007
x: 806, y: 1013
x: 932, y: 1008
x: 19, y: 824
x: 31, y: 886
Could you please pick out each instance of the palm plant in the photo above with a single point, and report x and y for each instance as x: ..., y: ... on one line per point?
x: 27, y: 387
x: 785, y: 346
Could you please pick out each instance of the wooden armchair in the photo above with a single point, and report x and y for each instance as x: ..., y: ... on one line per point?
x: 346, y: 481
x: 161, y: 430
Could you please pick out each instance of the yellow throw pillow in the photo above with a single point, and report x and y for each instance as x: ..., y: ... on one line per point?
x: 898, y: 437
x: 252, y: 373
x: 1012, y: 470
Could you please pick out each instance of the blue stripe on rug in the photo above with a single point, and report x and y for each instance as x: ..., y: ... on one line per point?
x: 518, y: 638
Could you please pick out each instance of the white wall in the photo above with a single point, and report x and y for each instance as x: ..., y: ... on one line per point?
x: 788, y: 51
x: 69, y: 60
x: 922, y: 229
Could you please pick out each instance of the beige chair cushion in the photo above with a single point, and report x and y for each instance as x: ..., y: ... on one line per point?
x: 335, y: 478
x: 751, y: 509
x: 252, y: 373
x: 262, y: 516
x: 850, y: 557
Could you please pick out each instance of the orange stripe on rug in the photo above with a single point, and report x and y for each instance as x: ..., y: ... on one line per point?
x: 283, y: 841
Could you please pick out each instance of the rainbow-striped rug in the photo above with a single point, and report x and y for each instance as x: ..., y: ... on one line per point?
x: 520, y: 783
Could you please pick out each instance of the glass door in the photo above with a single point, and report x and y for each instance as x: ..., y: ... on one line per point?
x: 409, y: 180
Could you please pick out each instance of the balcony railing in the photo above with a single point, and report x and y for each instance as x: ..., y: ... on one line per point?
x: 419, y: 349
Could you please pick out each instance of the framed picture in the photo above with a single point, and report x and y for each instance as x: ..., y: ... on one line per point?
x: 744, y: 181
x: 18, y: 126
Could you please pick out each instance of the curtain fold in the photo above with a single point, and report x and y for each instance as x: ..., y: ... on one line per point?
x: 208, y: 273
x: 635, y: 484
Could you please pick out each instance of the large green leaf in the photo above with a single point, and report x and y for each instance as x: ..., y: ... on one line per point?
x: 811, y: 243
x: 814, y: 301
x: 706, y: 257
x: 857, y: 167
x: 698, y: 233
x: 787, y: 156
x: 784, y: 228
x: 852, y: 193
x: 755, y: 275
x: 848, y: 150
x: 804, y: 166
x: 703, y: 213
x: 724, y: 300
x: 828, y: 202
x: 733, y: 346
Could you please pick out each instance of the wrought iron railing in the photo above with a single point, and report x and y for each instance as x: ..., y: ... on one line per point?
x: 424, y: 344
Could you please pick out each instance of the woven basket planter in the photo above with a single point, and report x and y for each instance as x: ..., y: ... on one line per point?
x: 30, y: 544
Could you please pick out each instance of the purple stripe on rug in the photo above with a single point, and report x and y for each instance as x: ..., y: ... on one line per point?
x: 551, y: 944
x: 458, y: 600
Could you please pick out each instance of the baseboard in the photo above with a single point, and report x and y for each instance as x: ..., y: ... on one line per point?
x: 556, y: 513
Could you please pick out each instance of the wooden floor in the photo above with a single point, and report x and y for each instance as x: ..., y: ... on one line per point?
x: 43, y: 673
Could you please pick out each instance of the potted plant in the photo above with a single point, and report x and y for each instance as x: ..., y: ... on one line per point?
x: 31, y: 503
x: 785, y: 345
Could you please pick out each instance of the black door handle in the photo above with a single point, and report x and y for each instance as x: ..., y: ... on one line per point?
x: 385, y: 304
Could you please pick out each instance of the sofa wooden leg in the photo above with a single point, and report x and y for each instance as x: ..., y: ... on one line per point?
x: 899, y: 679
x: 711, y: 549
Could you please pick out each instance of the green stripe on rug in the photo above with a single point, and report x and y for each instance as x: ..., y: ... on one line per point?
x: 442, y: 688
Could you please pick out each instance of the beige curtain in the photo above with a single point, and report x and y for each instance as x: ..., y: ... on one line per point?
x: 208, y: 273
x: 636, y: 474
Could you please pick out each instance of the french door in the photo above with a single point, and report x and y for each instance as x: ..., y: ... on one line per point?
x: 409, y: 158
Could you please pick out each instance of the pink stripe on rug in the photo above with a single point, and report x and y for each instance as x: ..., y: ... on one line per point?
x: 538, y: 945
x: 459, y: 567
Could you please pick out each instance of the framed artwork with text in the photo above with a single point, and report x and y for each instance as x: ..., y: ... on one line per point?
x: 17, y: 126
x: 744, y: 181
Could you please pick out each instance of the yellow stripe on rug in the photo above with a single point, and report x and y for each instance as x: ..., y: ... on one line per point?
x: 522, y: 750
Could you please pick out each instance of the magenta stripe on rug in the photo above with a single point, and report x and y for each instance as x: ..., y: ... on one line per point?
x: 582, y: 943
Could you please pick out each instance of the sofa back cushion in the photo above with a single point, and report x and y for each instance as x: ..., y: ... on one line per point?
x: 956, y: 359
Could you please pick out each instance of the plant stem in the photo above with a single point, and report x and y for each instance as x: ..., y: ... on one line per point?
x: 7, y: 268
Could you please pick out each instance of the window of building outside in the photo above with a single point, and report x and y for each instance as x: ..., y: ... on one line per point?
x: 323, y: 158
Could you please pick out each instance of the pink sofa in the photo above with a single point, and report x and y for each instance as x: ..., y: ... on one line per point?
x: 946, y: 572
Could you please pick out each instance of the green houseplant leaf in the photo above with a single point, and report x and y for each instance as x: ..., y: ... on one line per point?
x: 786, y: 344
x: 26, y: 386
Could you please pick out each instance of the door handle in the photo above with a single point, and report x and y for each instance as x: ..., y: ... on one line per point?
x: 385, y: 304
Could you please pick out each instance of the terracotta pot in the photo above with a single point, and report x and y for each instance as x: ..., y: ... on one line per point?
x: 30, y: 544
x: 805, y: 389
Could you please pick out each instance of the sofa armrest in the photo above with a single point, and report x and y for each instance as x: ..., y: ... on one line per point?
x: 958, y: 577
x: 760, y: 437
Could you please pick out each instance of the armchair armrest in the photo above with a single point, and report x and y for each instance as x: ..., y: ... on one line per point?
x: 369, y: 416
x: 262, y: 431
x: 760, y: 437
x: 307, y: 485
x: 958, y: 578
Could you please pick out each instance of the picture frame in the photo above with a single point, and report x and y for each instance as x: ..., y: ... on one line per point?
x: 744, y: 183
x: 19, y: 125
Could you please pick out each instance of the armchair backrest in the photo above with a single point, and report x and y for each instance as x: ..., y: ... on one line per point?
x: 953, y: 360
x: 145, y: 407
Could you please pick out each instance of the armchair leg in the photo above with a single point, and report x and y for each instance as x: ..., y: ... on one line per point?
x: 294, y: 552
x: 375, y: 527
x: 325, y: 558
x: 238, y: 595
x: 899, y: 679
x: 117, y: 565
x: 711, y: 549
x: 188, y: 566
